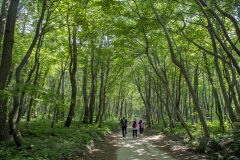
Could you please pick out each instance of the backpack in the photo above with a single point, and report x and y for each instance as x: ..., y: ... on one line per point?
x: 134, y: 124
x: 142, y: 125
x: 124, y: 122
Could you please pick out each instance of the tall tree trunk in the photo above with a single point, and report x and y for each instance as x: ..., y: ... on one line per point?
x: 219, y: 73
x: 6, y: 65
x: 104, y: 93
x: 100, y: 94
x: 3, y: 17
x: 72, y: 71
x: 56, y: 109
x: 119, y: 98
x: 231, y: 88
x: 151, y: 62
x: 16, y: 100
x: 36, y: 79
x: 217, y: 102
x: 235, y: 82
x: 93, y: 87
x: 84, y: 92
x: 180, y: 65
x: 22, y: 107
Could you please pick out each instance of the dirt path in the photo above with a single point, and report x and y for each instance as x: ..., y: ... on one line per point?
x: 139, y: 149
x: 151, y: 147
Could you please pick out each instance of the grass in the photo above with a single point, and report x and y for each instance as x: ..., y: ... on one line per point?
x: 196, y: 129
x: 42, y: 142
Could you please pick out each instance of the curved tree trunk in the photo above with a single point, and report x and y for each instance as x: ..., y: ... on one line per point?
x: 16, y: 98
x: 215, y: 94
x: 218, y: 70
x: 6, y: 65
x: 177, y: 63
x: 72, y: 71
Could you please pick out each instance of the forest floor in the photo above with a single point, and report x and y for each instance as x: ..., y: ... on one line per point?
x: 152, y: 147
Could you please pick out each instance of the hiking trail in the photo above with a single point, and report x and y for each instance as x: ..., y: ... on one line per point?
x: 151, y: 147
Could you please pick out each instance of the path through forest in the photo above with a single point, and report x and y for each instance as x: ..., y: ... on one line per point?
x: 151, y: 147
x: 139, y: 149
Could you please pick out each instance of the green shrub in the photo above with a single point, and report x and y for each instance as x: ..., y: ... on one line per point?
x: 42, y: 142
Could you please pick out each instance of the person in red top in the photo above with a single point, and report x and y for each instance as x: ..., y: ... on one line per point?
x: 135, y: 127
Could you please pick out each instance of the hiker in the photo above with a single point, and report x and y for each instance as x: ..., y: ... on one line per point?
x: 135, y: 127
x: 141, y: 128
x: 124, y: 126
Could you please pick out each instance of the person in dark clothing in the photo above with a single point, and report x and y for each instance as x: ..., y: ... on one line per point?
x: 141, y: 128
x: 124, y: 126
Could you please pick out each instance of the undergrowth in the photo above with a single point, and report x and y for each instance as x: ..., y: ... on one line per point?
x: 222, y: 144
x: 42, y: 142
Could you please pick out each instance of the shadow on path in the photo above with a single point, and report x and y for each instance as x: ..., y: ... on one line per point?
x: 139, y: 149
x: 151, y: 147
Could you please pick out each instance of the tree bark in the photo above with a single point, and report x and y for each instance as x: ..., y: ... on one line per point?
x: 222, y: 26
x: 6, y: 65
x: 176, y: 62
x: 72, y: 71
x: 93, y: 87
x: 22, y: 109
x: 215, y: 93
x: 16, y: 103
x: 84, y: 91
x: 56, y: 109
x: 104, y: 93
x: 100, y: 94
x: 218, y: 70
x: 3, y: 17
x: 164, y: 81
x: 231, y: 88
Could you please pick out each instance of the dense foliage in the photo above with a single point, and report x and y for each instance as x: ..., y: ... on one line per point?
x: 40, y: 142
x: 172, y: 62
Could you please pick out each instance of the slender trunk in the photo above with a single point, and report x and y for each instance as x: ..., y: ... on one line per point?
x: 176, y: 62
x: 219, y: 74
x: 56, y: 110
x: 151, y: 62
x: 93, y: 88
x: 84, y: 92
x: 221, y: 25
x: 22, y: 108
x: 121, y: 108
x: 100, y: 94
x: 72, y: 71
x: 6, y: 65
x: 217, y: 102
x: 232, y: 18
x: 16, y: 99
x: 119, y: 98
x: 104, y: 93
x: 62, y: 115
x: 231, y: 87
x: 172, y: 124
x: 235, y: 82
x: 36, y: 79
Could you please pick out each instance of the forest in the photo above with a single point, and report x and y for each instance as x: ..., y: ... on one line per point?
x: 71, y: 69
